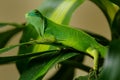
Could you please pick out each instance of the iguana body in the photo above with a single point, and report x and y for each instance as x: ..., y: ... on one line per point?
x: 65, y: 35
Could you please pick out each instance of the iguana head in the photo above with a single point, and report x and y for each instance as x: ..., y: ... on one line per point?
x: 37, y: 20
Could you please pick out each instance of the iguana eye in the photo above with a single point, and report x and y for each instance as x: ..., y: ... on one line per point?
x: 38, y: 13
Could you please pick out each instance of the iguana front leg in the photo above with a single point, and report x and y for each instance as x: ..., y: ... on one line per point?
x: 95, y: 54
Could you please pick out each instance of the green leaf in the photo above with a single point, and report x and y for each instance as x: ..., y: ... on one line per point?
x: 10, y: 59
x: 38, y: 71
x: 77, y: 65
x: 2, y: 50
x: 7, y: 35
x: 100, y: 39
x: 65, y: 72
x: 11, y: 24
x: 26, y: 44
x: 3, y: 24
x: 108, y: 8
x: 111, y: 70
x: 67, y: 7
x: 116, y: 2
x: 91, y: 76
x: 116, y: 26
x: 61, y: 11
x: 47, y: 7
x: 82, y: 78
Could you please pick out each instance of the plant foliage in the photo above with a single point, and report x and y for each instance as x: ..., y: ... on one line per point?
x: 48, y: 39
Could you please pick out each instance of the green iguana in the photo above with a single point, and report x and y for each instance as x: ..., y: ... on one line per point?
x: 49, y: 31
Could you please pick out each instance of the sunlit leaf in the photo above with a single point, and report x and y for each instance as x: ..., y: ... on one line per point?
x: 61, y: 11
